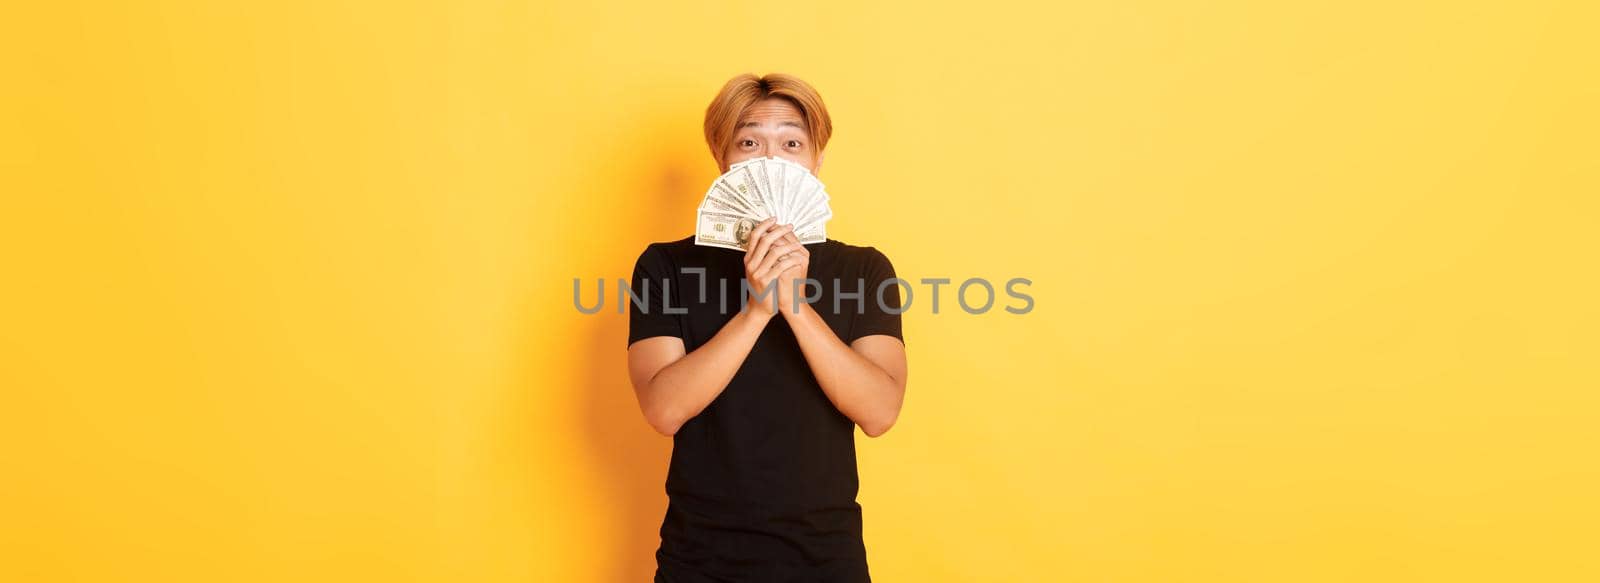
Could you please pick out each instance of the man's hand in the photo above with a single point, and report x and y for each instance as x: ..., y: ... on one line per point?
x: 774, y: 257
x: 792, y: 281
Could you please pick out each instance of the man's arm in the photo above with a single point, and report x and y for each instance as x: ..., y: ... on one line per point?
x: 673, y: 387
x: 865, y: 380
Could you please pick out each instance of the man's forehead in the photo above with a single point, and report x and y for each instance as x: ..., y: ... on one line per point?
x: 771, y: 114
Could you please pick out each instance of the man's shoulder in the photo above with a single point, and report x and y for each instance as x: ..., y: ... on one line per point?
x: 849, y: 253
x: 676, y: 246
x: 684, y: 252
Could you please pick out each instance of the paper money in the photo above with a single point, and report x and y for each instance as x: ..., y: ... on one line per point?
x: 728, y: 231
x: 758, y: 188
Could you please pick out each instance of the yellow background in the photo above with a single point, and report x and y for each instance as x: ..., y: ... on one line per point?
x: 287, y: 287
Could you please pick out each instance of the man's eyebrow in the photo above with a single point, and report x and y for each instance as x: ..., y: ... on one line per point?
x: 756, y: 124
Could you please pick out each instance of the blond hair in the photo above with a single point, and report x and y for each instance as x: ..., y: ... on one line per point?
x: 743, y: 91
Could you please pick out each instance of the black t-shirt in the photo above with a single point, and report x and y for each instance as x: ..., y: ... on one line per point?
x: 762, y: 484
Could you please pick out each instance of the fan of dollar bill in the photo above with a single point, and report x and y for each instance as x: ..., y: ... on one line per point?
x: 755, y: 189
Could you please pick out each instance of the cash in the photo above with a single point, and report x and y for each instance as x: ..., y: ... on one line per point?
x: 758, y: 188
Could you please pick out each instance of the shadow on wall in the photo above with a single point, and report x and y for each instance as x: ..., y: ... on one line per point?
x: 630, y: 459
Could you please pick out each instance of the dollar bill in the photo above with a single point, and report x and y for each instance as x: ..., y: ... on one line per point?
x: 728, y: 231
x: 717, y: 200
x: 756, y: 189
x: 743, y: 183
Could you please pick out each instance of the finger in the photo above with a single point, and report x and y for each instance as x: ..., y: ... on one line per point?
x: 798, y: 252
x: 770, y: 273
x: 778, y: 250
x: 764, y: 247
x: 795, y: 239
x: 758, y: 236
x: 755, y: 234
x: 772, y: 235
x: 772, y: 259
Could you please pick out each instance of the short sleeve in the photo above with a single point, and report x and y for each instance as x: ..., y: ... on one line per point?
x: 881, y: 314
x: 648, y: 316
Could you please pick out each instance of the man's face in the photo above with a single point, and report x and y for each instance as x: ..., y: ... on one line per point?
x: 773, y: 127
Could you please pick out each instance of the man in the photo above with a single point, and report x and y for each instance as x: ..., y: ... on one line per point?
x: 762, y: 409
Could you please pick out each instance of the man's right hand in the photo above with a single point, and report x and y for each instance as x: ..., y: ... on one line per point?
x: 767, y: 256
